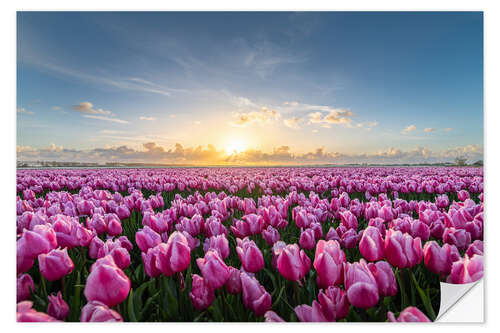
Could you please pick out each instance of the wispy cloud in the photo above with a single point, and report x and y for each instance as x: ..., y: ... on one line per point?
x: 24, y: 111
x: 263, y: 116
x: 409, y: 129
x: 147, y: 118
x: 293, y: 122
x: 88, y: 108
x: 129, y: 83
x: 115, y: 120
x: 429, y: 129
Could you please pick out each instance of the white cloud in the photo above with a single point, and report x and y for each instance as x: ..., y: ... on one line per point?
x: 115, y: 120
x: 409, y: 129
x: 263, y: 116
x: 147, y: 118
x: 293, y: 122
x: 24, y: 111
x: 88, y: 108
x: 429, y: 129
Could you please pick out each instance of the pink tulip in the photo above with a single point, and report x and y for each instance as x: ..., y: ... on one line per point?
x: 26, y: 314
x: 410, y: 314
x: 401, y: 250
x: 466, y: 270
x: 113, y: 223
x: 458, y: 237
x: 350, y: 239
x: 41, y: 240
x: 361, y: 286
x: 463, y: 195
x: 25, y: 287
x: 175, y: 255
x: 440, y: 259
x: 217, y: 243
x: 348, y: 220
x: 57, y: 308
x: 386, y: 281
x: 475, y: 248
x: 255, y: 223
x: 107, y: 283
x: 201, y: 295
x: 272, y: 317
x: 149, y: 262
x: 328, y: 262
x: 147, y: 238
x: 293, y: 263
x: 334, y: 303
x: 96, y: 311
x: 123, y: 212
x: 371, y: 244
x: 255, y: 296
x: 332, y: 235
x: 233, y: 283
x: 270, y: 235
x: 421, y: 230
x: 307, y: 313
x: 55, y: 264
x: 307, y: 239
x: 213, y: 269
x: 250, y: 256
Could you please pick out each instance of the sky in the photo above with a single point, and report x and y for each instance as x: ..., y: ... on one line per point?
x: 250, y: 88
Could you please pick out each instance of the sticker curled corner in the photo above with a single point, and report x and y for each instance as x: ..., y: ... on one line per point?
x: 451, y: 294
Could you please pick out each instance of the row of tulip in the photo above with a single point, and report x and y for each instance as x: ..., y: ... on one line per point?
x: 307, y: 247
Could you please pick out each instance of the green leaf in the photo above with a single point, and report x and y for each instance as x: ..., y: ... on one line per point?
x: 130, y: 308
x: 425, y: 299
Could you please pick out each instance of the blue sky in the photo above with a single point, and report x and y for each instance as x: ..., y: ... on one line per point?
x: 261, y: 87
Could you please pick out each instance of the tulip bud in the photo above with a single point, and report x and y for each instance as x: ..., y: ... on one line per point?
x: 410, y: 314
x: 147, y: 238
x: 25, y: 313
x: 58, y: 308
x: 307, y: 239
x: 361, y: 286
x: 213, y: 269
x: 466, y: 270
x: 383, y: 274
x: 293, y: 263
x: 55, y: 264
x: 107, y: 283
x: 96, y: 311
x: 401, y: 250
x: 250, y: 256
x: 371, y: 244
x: 25, y: 287
x: 233, y: 283
x: 328, y: 262
x: 255, y: 296
x: 334, y: 303
x: 201, y: 295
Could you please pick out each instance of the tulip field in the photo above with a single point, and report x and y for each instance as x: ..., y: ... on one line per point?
x: 245, y: 244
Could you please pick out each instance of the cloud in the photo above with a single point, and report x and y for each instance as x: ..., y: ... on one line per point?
x: 147, y: 118
x: 151, y: 152
x: 429, y: 129
x: 88, y: 111
x: 333, y: 117
x: 293, y: 122
x: 448, y: 129
x: 88, y: 108
x: 56, y: 108
x: 409, y: 129
x: 115, y: 120
x: 263, y: 116
x: 24, y: 111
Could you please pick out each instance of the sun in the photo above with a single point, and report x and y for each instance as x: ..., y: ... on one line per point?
x: 235, y: 146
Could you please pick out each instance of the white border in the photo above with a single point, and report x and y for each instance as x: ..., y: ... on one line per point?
x: 8, y: 133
